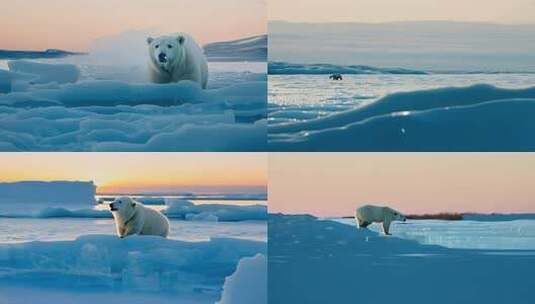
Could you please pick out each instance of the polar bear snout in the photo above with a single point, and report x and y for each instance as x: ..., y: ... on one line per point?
x: 162, y: 58
x: 113, y: 207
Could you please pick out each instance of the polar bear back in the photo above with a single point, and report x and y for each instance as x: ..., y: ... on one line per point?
x: 154, y: 222
x: 370, y: 213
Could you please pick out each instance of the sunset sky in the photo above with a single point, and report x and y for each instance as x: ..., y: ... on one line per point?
x: 327, y: 184
x: 498, y: 11
x: 74, y: 24
x: 143, y: 172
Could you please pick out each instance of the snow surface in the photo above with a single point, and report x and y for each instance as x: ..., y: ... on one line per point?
x: 322, y: 261
x: 248, y: 284
x: 137, y: 266
x: 474, y: 118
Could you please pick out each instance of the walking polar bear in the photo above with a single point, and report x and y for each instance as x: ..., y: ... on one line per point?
x: 132, y: 217
x: 368, y: 214
x: 175, y: 58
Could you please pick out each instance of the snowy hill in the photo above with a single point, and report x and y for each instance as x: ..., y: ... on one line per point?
x: 246, y: 49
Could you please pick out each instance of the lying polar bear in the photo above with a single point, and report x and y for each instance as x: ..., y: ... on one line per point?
x: 175, y: 58
x: 131, y: 217
x: 368, y: 214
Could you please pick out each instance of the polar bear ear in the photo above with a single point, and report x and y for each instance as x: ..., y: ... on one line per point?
x: 150, y: 40
x: 181, y: 39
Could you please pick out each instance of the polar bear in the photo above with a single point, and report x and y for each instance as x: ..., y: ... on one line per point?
x: 367, y: 214
x: 175, y: 58
x: 131, y: 217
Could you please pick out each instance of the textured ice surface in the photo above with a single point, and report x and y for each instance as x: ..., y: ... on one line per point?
x: 475, y: 118
x: 96, y: 264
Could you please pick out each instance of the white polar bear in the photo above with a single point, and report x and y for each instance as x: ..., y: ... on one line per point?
x: 368, y: 214
x: 131, y: 217
x: 175, y: 58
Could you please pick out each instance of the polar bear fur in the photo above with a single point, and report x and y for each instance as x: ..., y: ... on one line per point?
x: 367, y: 214
x: 132, y: 217
x: 175, y: 58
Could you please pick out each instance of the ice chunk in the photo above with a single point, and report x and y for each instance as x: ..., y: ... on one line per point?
x: 215, y: 212
x: 46, y: 73
x: 248, y: 284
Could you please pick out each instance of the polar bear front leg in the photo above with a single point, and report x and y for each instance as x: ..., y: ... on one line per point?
x: 134, y: 228
x: 386, y: 226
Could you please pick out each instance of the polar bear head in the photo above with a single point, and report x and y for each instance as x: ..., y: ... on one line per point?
x: 167, y: 51
x: 396, y: 215
x: 123, y: 206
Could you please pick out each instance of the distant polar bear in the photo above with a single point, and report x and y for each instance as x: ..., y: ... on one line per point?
x: 131, y: 217
x: 175, y: 58
x: 368, y: 214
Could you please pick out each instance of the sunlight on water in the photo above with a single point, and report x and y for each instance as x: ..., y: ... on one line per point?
x: 304, y: 97
x: 506, y: 235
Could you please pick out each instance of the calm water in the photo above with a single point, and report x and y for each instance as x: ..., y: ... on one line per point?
x: 295, y: 98
x: 494, y: 235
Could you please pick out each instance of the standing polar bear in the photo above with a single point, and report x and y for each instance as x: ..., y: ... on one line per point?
x: 175, y: 58
x: 131, y: 217
x: 368, y: 214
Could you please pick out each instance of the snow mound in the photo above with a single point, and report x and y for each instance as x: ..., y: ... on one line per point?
x: 475, y: 118
x: 113, y: 115
x: 248, y: 284
x: 285, y: 68
x: 46, y: 73
x: 184, y: 209
x: 246, y: 49
x: 322, y: 261
x: 137, y: 264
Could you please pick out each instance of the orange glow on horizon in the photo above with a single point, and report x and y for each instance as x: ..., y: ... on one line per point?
x: 117, y: 172
x: 334, y: 184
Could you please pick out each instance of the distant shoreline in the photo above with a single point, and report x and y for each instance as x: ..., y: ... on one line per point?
x: 50, y: 53
x: 467, y: 216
